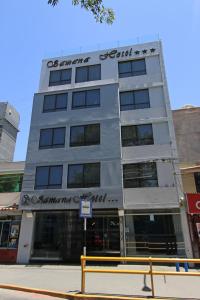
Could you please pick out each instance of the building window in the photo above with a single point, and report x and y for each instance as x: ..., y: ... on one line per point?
x: 138, y: 99
x: 9, y: 232
x: 60, y: 77
x: 48, y: 177
x: 197, y: 181
x: 132, y: 68
x: 55, y: 102
x: 140, y: 175
x: 136, y: 135
x: 88, y: 73
x: 52, y: 138
x: 83, y: 175
x: 86, y: 99
x: 11, y: 183
x: 1, y: 131
x: 85, y: 135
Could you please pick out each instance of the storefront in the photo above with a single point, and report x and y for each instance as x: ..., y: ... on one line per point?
x: 58, y: 235
x: 193, y: 203
x: 10, y: 220
x: 154, y: 233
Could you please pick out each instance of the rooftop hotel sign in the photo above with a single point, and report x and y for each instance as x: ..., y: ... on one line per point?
x: 56, y: 63
x: 107, y: 55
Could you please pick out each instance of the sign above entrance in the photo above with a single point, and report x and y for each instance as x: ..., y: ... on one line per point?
x: 34, y: 200
x: 193, y: 201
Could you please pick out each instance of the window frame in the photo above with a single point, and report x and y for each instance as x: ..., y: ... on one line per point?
x: 1, y: 233
x: 132, y: 72
x: 87, y: 68
x: 134, y: 105
x: 60, y: 81
x: 48, y: 186
x: 55, y: 103
x: 197, y: 181
x: 138, y: 141
x: 85, y: 99
x: 140, y: 180
x: 83, y: 183
x: 52, y: 138
x: 85, y: 143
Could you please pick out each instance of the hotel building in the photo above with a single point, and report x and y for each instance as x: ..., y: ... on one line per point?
x: 102, y: 129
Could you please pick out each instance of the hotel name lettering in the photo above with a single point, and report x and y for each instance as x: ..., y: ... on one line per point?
x: 34, y: 200
x: 110, y: 54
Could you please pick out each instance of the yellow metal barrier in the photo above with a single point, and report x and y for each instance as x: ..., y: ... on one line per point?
x: 149, y: 260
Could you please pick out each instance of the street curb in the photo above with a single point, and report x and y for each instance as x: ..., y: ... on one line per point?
x: 73, y: 296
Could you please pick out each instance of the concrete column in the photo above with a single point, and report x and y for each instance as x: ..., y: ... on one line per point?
x: 26, y: 237
x: 186, y: 233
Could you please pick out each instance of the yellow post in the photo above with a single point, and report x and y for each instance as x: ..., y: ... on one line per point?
x: 82, y: 274
x: 151, y: 274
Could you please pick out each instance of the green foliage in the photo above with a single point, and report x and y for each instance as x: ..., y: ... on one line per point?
x: 96, y: 7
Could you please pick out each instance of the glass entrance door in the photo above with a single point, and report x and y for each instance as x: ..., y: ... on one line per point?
x: 103, y: 235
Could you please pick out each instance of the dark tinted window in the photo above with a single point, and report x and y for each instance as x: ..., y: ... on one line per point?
x: 132, y: 68
x: 55, y: 102
x: 140, y: 175
x: 136, y: 135
x: 52, y: 137
x: 84, y: 99
x: 138, y: 99
x: 83, y: 175
x: 85, y: 135
x: 48, y: 177
x: 60, y: 77
x: 197, y: 181
x: 88, y: 73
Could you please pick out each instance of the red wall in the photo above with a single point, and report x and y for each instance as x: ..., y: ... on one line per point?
x: 8, y: 255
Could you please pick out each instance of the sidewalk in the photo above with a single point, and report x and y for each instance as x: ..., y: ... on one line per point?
x: 68, y: 279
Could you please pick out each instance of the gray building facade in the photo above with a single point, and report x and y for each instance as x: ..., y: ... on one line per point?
x: 187, y: 129
x: 9, y: 124
x: 102, y: 129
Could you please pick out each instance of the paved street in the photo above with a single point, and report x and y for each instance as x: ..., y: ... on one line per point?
x: 68, y: 279
x: 15, y: 295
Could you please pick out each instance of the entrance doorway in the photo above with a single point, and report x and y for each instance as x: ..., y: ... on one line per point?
x: 103, y: 235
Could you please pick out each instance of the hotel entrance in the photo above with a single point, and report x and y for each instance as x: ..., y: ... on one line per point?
x: 58, y: 236
x: 103, y: 234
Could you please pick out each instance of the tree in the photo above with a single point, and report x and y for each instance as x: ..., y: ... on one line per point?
x: 96, y: 7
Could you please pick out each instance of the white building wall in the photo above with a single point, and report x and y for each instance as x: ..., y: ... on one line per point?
x: 109, y: 152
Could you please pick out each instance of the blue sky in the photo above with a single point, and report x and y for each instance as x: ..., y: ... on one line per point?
x: 32, y: 30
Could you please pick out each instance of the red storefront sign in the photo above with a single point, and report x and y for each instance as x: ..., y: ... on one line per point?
x: 193, y: 201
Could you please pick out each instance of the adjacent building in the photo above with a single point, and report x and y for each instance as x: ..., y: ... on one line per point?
x: 102, y: 129
x: 11, y: 177
x: 9, y: 126
x: 187, y: 129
